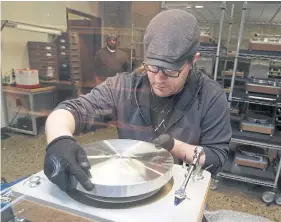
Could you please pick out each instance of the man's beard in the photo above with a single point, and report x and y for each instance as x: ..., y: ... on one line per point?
x: 111, y: 47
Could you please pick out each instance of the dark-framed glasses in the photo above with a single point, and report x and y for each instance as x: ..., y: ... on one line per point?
x: 166, y: 72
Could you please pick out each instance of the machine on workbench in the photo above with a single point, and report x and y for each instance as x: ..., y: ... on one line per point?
x: 131, y: 178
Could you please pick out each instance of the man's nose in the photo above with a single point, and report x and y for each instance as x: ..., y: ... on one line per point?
x: 160, y: 75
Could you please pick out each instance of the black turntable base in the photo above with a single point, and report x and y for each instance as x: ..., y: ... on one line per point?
x: 121, y: 203
x: 257, y: 122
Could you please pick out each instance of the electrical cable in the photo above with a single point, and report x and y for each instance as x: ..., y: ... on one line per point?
x: 14, y: 117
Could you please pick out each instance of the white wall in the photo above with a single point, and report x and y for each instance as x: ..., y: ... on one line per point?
x: 13, y: 41
x: 53, y: 14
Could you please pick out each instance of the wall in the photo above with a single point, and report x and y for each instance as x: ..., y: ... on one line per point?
x: 13, y: 42
x: 144, y: 11
x: 53, y: 14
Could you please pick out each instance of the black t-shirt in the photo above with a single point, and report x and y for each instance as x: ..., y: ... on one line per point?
x: 161, y: 111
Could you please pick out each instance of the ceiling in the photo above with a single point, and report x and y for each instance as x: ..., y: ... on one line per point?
x: 256, y: 12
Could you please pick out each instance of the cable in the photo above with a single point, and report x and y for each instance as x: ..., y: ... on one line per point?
x: 14, y: 117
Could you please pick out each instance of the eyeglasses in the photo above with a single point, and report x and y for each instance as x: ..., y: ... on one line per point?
x: 166, y: 72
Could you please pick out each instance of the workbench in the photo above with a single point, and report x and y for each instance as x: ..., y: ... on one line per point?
x: 47, y: 202
x: 41, y: 103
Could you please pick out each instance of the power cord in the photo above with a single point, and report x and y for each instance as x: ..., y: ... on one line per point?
x: 20, y: 106
x: 14, y: 116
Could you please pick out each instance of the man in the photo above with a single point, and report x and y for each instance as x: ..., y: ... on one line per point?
x: 166, y: 102
x: 110, y: 60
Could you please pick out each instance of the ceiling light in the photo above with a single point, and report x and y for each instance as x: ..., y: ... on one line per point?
x: 37, y: 29
x: 30, y: 27
x: 188, y: 6
x: 199, y: 6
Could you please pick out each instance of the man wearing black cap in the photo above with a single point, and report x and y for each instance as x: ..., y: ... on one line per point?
x: 165, y: 101
x: 110, y: 60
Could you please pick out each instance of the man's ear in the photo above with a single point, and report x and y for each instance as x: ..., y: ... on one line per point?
x: 196, y: 57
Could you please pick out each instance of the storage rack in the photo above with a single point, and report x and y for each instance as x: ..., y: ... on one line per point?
x: 237, y: 94
x: 248, y: 138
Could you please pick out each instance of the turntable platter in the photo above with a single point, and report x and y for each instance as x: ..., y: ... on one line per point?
x: 259, y: 80
x: 119, y: 200
x: 256, y: 117
x: 123, y: 168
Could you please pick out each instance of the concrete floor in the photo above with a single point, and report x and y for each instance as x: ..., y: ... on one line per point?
x: 23, y: 155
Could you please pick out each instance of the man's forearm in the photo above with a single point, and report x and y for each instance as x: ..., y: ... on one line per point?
x: 183, y: 150
x: 59, y: 123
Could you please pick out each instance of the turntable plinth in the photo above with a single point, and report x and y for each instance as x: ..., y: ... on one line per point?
x: 256, y: 122
x: 265, y: 89
x: 159, y: 207
x: 265, y: 46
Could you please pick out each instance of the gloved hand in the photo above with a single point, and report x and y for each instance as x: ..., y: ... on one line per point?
x: 65, y: 158
x: 165, y: 141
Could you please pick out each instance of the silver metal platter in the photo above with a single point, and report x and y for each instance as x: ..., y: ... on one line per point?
x: 122, y: 168
x: 121, y: 199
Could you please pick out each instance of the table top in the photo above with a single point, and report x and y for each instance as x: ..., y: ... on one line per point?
x: 17, y: 89
x: 89, y: 84
x: 150, y: 209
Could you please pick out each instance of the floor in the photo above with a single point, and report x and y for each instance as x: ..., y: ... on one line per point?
x: 23, y: 155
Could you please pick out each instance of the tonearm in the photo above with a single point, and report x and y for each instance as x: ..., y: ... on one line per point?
x: 195, y: 169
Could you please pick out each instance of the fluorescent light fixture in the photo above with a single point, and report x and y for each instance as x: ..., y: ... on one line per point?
x: 30, y: 27
x: 199, y: 6
x: 188, y: 6
x: 37, y: 29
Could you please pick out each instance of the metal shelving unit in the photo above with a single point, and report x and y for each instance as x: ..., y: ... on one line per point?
x: 263, y: 141
x: 252, y: 139
x: 239, y: 95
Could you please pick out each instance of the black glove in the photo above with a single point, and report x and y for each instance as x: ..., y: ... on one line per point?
x: 165, y: 141
x: 65, y: 158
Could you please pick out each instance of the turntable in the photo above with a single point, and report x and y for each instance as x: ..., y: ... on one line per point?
x: 257, y: 122
x: 251, y: 156
x: 265, y: 43
x: 264, y: 86
x: 133, y: 180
